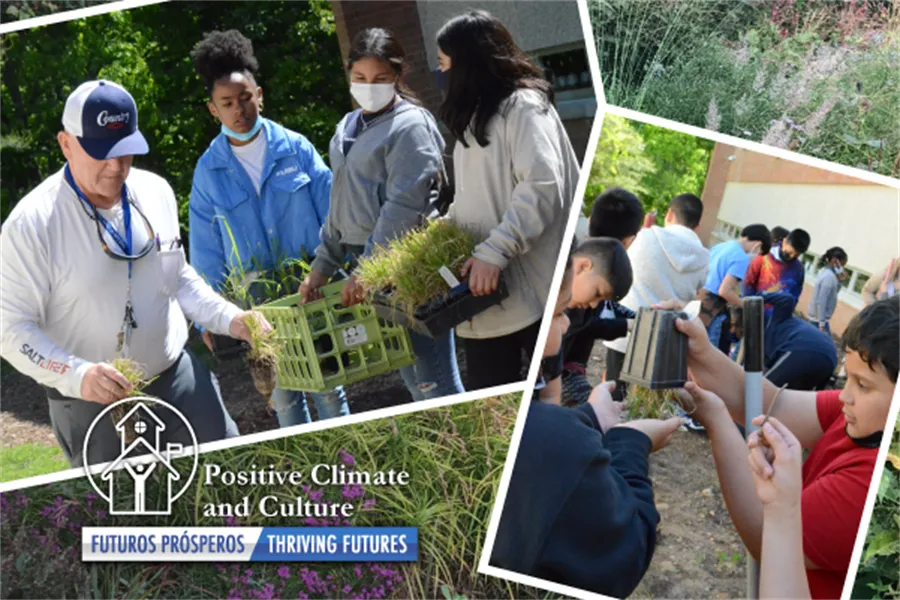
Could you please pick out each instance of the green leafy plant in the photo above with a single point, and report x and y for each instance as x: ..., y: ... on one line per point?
x: 407, y: 270
x: 879, y: 569
x: 653, y: 162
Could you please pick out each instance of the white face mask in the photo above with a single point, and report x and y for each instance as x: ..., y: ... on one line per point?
x: 372, y: 97
x: 838, y: 269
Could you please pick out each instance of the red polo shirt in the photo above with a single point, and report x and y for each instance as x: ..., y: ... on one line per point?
x: 836, y: 478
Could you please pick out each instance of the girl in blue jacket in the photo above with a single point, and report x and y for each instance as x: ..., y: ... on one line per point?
x: 264, y: 183
x: 387, y: 159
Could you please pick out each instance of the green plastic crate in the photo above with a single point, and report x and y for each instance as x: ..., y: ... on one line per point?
x: 326, y: 344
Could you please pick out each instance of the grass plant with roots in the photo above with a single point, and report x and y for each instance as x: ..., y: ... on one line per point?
x: 407, y: 269
x: 137, y: 377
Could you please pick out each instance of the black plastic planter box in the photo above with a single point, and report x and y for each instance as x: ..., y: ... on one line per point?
x: 656, y: 357
x: 441, y: 314
x: 226, y: 347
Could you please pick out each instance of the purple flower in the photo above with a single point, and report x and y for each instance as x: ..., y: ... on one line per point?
x: 284, y: 572
x: 311, y: 521
x: 353, y: 491
x: 369, y: 504
x: 302, y: 596
x: 357, y: 571
x: 249, y: 572
x: 316, y: 496
x: 346, y: 457
x: 347, y: 589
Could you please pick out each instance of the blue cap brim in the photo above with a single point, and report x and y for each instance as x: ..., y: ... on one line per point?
x: 132, y: 145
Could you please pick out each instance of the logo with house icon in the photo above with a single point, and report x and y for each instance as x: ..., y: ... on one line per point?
x: 143, y: 480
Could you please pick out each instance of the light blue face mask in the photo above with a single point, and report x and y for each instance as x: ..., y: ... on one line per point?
x: 244, y: 137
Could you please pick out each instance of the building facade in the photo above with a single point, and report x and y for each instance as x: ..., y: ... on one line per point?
x: 744, y: 187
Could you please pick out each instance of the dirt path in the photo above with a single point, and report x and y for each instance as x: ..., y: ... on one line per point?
x: 698, y: 552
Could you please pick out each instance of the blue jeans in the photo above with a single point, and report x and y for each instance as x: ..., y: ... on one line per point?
x: 435, y: 372
x: 291, y: 408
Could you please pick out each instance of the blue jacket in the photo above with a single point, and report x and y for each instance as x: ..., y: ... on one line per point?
x: 280, y: 223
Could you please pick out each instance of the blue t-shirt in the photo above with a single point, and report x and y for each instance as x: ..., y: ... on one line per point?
x: 727, y: 258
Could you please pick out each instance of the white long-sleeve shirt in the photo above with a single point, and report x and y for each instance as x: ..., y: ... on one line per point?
x: 62, y: 298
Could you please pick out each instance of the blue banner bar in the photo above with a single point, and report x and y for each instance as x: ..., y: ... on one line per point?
x: 337, y: 544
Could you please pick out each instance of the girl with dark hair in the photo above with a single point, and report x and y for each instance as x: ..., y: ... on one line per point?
x: 824, y: 299
x: 387, y: 161
x: 260, y: 192
x: 515, y: 176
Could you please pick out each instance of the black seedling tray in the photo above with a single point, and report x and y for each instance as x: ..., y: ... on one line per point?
x: 440, y: 315
x: 656, y: 357
x: 226, y: 347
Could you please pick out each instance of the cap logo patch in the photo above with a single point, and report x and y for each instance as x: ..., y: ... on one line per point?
x: 104, y: 119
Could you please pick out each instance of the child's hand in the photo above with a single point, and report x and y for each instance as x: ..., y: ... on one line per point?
x: 605, y: 408
x: 707, y: 403
x: 701, y: 353
x: 660, y: 432
x: 776, y: 469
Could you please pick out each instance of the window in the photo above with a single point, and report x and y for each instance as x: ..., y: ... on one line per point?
x: 567, y: 69
x: 860, y: 283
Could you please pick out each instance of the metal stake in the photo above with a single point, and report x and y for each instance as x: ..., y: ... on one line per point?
x: 754, y: 361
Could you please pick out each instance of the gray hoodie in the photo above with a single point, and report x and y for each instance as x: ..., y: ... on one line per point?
x: 667, y: 262
x: 383, y: 185
x: 516, y: 194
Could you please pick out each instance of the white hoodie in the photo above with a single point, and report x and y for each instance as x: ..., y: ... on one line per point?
x: 667, y: 262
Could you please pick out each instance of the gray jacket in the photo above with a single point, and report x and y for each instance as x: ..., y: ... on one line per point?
x: 825, y: 296
x: 516, y: 194
x: 383, y: 186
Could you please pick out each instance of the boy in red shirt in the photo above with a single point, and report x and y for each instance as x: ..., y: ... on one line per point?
x: 843, y: 429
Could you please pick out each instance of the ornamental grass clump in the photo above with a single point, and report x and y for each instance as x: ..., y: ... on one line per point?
x: 136, y: 376
x: 407, y: 270
x: 643, y: 403
x: 263, y: 357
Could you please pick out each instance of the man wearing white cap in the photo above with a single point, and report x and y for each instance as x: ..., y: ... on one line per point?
x: 93, y: 269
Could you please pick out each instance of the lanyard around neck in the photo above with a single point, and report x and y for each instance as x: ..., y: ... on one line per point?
x: 123, y: 243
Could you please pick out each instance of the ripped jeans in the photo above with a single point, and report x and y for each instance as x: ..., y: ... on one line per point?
x: 435, y: 373
x: 291, y: 407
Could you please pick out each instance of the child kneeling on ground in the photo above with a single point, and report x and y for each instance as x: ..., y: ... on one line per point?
x: 579, y: 508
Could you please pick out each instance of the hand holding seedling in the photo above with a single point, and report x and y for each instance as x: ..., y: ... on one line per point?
x: 483, y: 276
x: 309, y: 289
x: 241, y: 330
x: 660, y: 432
x: 776, y: 468
x: 104, y: 384
x: 353, y: 293
x: 702, y: 355
x: 605, y: 408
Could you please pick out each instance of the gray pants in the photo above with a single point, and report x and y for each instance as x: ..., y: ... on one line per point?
x: 187, y: 385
